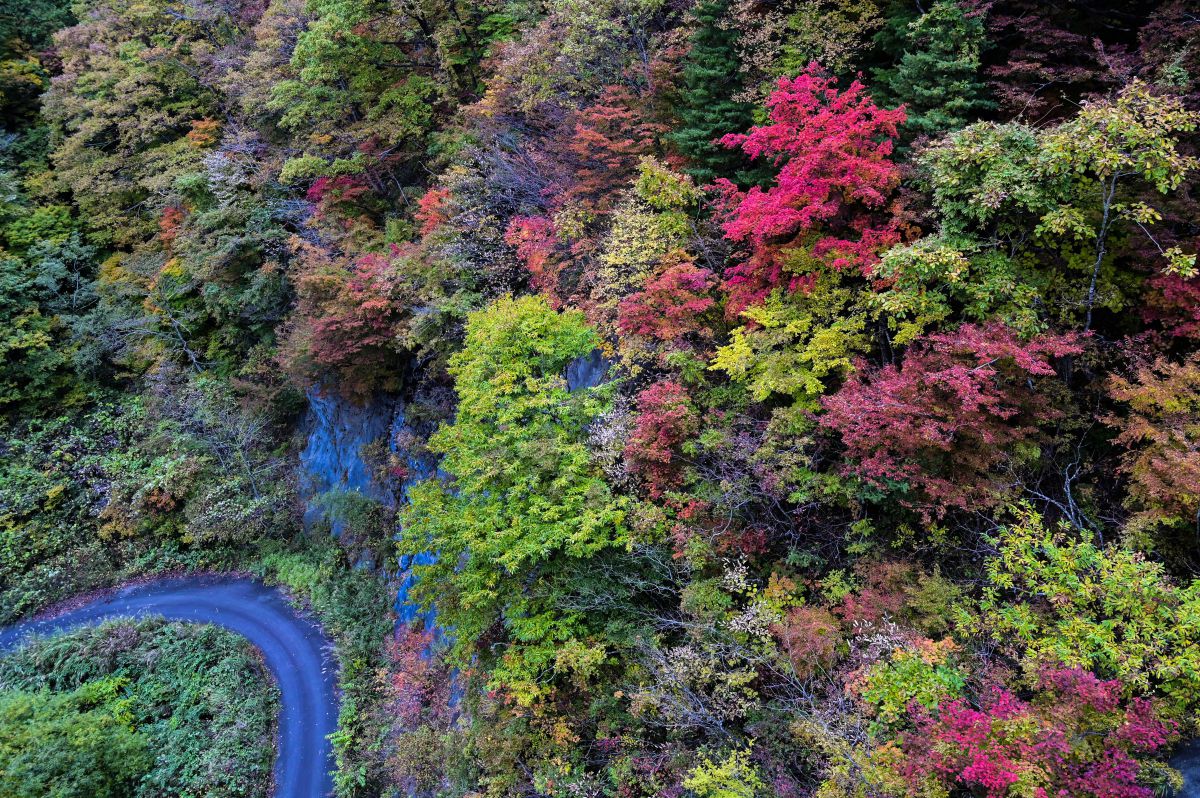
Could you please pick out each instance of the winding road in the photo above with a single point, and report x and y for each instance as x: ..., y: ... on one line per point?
x: 295, y: 650
x: 297, y: 653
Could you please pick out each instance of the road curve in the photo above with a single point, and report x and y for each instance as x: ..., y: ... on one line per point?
x: 294, y: 648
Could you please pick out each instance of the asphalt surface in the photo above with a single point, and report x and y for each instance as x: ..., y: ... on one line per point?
x: 294, y: 648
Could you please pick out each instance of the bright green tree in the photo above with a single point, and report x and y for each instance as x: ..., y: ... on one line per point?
x: 524, y: 499
x: 69, y: 745
x: 734, y: 776
x: 1056, y: 597
x: 795, y: 345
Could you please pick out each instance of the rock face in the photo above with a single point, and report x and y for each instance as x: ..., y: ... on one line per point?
x: 1187, y: 762
x: 406, y: 612
x: 337, y: 429
x: 588, y: 371
x: 332, y: 460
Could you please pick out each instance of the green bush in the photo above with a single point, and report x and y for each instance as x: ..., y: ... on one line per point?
x: 144, y: 709
x: 63, y: 745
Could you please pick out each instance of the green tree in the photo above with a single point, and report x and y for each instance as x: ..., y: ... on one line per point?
x: 796, y: 345
x: 707, y: 108
x: 31, y: 23
x: 986, y: 182
x: 1112, y: 146
x: 941, y: 278
x: 1051, y: 201
x: 1055, y: 597
x: 25, y: 31
x: 368, y: 79
x: 734, y: 776
x: 69, y: 745
x: 30, y: 364
x: 524, y: 500
x: 132, y: 87
x: 937, y: 77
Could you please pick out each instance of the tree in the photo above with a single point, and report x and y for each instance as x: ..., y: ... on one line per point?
x: 987, y: 182
x: 46, y: 298
x: 1047, y: 57
x: 1055, y: 597
x: 834, y: 33
x: 30, y: 363
x: 244, y: 496
x: 34, y: 24
x: 937, y: 79
x: 707, y: 108
x: 651, y: 228
x: 523, y: 498
x: 833, y: 150
x: 797, y: 345
x: 941, y: 428
x: 130, y: 89
x: 672, y: 304
x: 355, y: 79
x: 25, y: 35
x: 665, y: 420
x: 782, y: 39
x: 1065, y: 190
x: 1160, y: 432
x: 69, y: 745
x: 1174, y: 303
x: 940, y: 279
x: 1110, y: 143
x: 811, y: 638
x: 734, y: 776
x: 611, y: 137
x: 347, y: 321
x: 1077, y: 738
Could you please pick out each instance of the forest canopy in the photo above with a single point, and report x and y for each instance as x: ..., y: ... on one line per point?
x: 798, y: 399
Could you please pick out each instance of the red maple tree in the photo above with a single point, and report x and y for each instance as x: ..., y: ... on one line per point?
x: 833, y: 149
x: 671, y: 304
x: 940, y: 428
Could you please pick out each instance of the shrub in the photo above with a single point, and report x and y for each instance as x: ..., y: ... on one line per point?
x: 144, y: 709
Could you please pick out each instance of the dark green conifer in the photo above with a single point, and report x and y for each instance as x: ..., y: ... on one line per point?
x: 707, y: 106
x: 937, y: 77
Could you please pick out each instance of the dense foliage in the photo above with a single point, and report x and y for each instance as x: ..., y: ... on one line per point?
x: 797, y: 398
x: 142, y: 708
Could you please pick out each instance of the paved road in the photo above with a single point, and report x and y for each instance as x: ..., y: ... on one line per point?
x: 297, y: 653
x: 294, y: 648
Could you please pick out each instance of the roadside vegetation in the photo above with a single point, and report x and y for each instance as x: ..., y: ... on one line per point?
x: 137, y: 710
